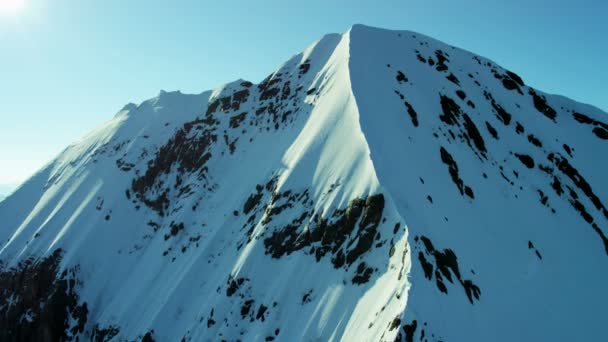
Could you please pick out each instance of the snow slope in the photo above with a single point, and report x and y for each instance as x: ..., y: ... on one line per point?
x: 380, y: 185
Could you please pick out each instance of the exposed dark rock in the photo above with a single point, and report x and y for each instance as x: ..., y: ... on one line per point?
x: 526, y: 160
x: 395, y: 324
x: 582, y: 118
x: 441, y: 60
x: 510, y: 85
x: 363, y: 274
x: 534, y: 141
x: 236, y: 120
x: 44, y: 301
x: 307, y: 297
x: 452, y: 78
x: 511, y: 81
x: 104, y: 334
x: 564, y: 166
x: 149, y: 337
x: 261, y: 311
x: 252, y: 201
x: 515, y: 77
x: 174, y: 229
x: 446, y: 264
x: 492, y: 130
x: 233, y: 285
x: 447, y: 159
x: 268, y: 87
x: 185, y: 152
x: 461, y: 94
x: 410, y: 330
x: 304, y: 67
x: 540, y: 103
x: 567, y: 149
x: 210, y: 321
x: 246, y: 307
x: 474, y: 134
x: 601, y: 133
x: 454, y: 116
x: 601, y: 129
x: 412, y: 113
x: 501, y: 114
x: 401, y: 77
x: 427, y: 267
x: 331, y: 237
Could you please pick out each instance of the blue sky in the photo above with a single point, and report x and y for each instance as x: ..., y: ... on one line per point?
x: 68, y: 65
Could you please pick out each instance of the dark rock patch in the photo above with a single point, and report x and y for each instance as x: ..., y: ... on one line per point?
x: 236, y: 120
x: 441, y: 61
x: 396, y: 322
x: 246, y: 307
x: 492, y: 130
x: 447, y: 159
x: 183, y: 151
x: 453, y: 115
x: 149, y: 337
x: 39, y: 302
x: 540, y: 103
x: 100, y: 334
x: 401, y: 77
x: 446, y: 265
x: 515, y: 77
x: 526, y: 160
x: 601, y: 133
x: 362, y: 274
x: 233, y: 284
x: 412, y: 113
x: 452, y: 78
x: 304, y: 67
x: 534, y: 140
x: 174, y: 229
x: 474, y: 134
x: 584, y: 119
x: 567, y: 169
x: 339, y: 236
x: 568, y: 149
x: 601, y: 129
x: 269, y: 87
x: 409, y: 331
x: 500, y: 113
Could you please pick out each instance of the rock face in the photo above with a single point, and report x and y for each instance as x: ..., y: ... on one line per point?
x: 378, y: 186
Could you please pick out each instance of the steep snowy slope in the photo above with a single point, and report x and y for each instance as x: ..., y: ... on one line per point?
x: 380, y: 185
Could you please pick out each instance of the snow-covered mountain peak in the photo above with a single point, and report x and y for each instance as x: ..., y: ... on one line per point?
x: 380, y: 185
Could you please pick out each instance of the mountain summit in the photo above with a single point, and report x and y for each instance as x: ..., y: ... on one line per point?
x: 379, y: 186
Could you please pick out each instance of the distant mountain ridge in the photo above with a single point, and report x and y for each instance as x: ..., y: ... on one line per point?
x: 379, y: 186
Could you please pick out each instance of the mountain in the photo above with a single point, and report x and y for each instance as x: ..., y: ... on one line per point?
x: 380, y: 185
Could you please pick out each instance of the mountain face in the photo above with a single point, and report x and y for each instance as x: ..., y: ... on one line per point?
x: 379, y: 186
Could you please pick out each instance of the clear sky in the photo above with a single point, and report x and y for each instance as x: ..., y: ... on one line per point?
x: 68, y: 65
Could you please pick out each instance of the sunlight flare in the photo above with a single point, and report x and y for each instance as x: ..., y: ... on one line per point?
x: 11, y: 7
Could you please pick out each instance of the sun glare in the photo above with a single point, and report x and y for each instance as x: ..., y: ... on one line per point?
x: 11, y: 7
